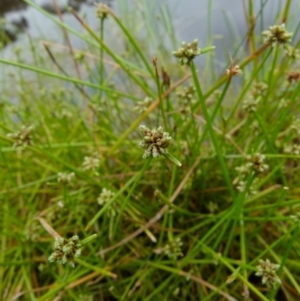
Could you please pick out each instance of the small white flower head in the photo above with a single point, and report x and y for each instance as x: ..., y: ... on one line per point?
x: 173, y: 248
x: 143, y: 105
x: 295, y: 126
x: 102, y: 11
x: 65, y: 178
x: 187, y: 52
x: 186, y: 98
x: 277, y: 34
x: 155, y: 141
x: 292, y: 149
x: 241, y: 186
x: 283, y: 103
x: 212, y: 207
x: 244, y: 170
x: 257, y: 162
x: 22, y: 138
x: 90, y: 163
x: 250, y: 104
x: 296, y: 218
x: 104, y: 197
x: 234, y: 70
x: 258, y: 89
x: 66, y: 250
x: 291, y: 52
x: 267, y: 271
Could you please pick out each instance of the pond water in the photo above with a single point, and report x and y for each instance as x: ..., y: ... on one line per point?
x: 190, y: 19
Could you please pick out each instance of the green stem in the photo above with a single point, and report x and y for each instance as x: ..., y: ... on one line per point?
x: 136, y: 180
x: 101, y: 68
x: 161, y: 105
x: 211, y: 131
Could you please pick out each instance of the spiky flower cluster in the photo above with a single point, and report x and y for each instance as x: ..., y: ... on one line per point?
x: 296, y: 218
x: 173, y: 248
x: 102, y: 11
x: 267, y: 271
x: 291, y: 52
x: 293, y: 149
x: 22, y: 138
x: 277, y: 34
x: 295, y: 126
x: 91, y: 163
x: 250, y: 104
x: 105, y: 196
x: 259, y: 89
x: 65, y: 178
x: 187, y: 52
x: 66, y: 250
x: 257, y: 162
x: 186, y: 98
x: 234, y: 70
x: 242, y: 187
x: 143, y: 105
x: 155, y: 141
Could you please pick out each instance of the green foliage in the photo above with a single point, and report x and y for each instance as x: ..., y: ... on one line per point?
x: 222, y: 223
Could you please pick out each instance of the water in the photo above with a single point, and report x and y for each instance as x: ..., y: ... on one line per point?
x: 190, y: 17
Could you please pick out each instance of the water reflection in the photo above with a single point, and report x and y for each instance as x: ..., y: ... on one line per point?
x: 191, y: 19
x: 11, y: 5
x: 13, y: 21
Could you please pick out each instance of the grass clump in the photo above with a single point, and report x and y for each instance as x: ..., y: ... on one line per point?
x: 219, y: 220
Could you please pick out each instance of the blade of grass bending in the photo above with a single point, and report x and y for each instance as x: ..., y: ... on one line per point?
x: 133, y: 43
x: 62, y: 77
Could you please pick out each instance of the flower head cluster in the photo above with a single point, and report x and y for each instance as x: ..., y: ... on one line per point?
x: 102, y: 11
x: 259, y: 89
x: 173, y: 248
x: 186, y: 98
x: 257, y: 162
x: 91, y: 163
x: 143, y: 105
x: 234, y: 70
x: 252, y: 189
x: 65, y: 250
x: 296, y: 218
x: 267, y: 271
x: 22, y: 138
x: 291, y: 52
x: 104, y: 197
x: 187, y: 52
x: 295, y: 126
x: 155, y: 142
x: 277, y: 35
x: 293, y: 149
x: 250, y: 104
x: 65, y: 178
